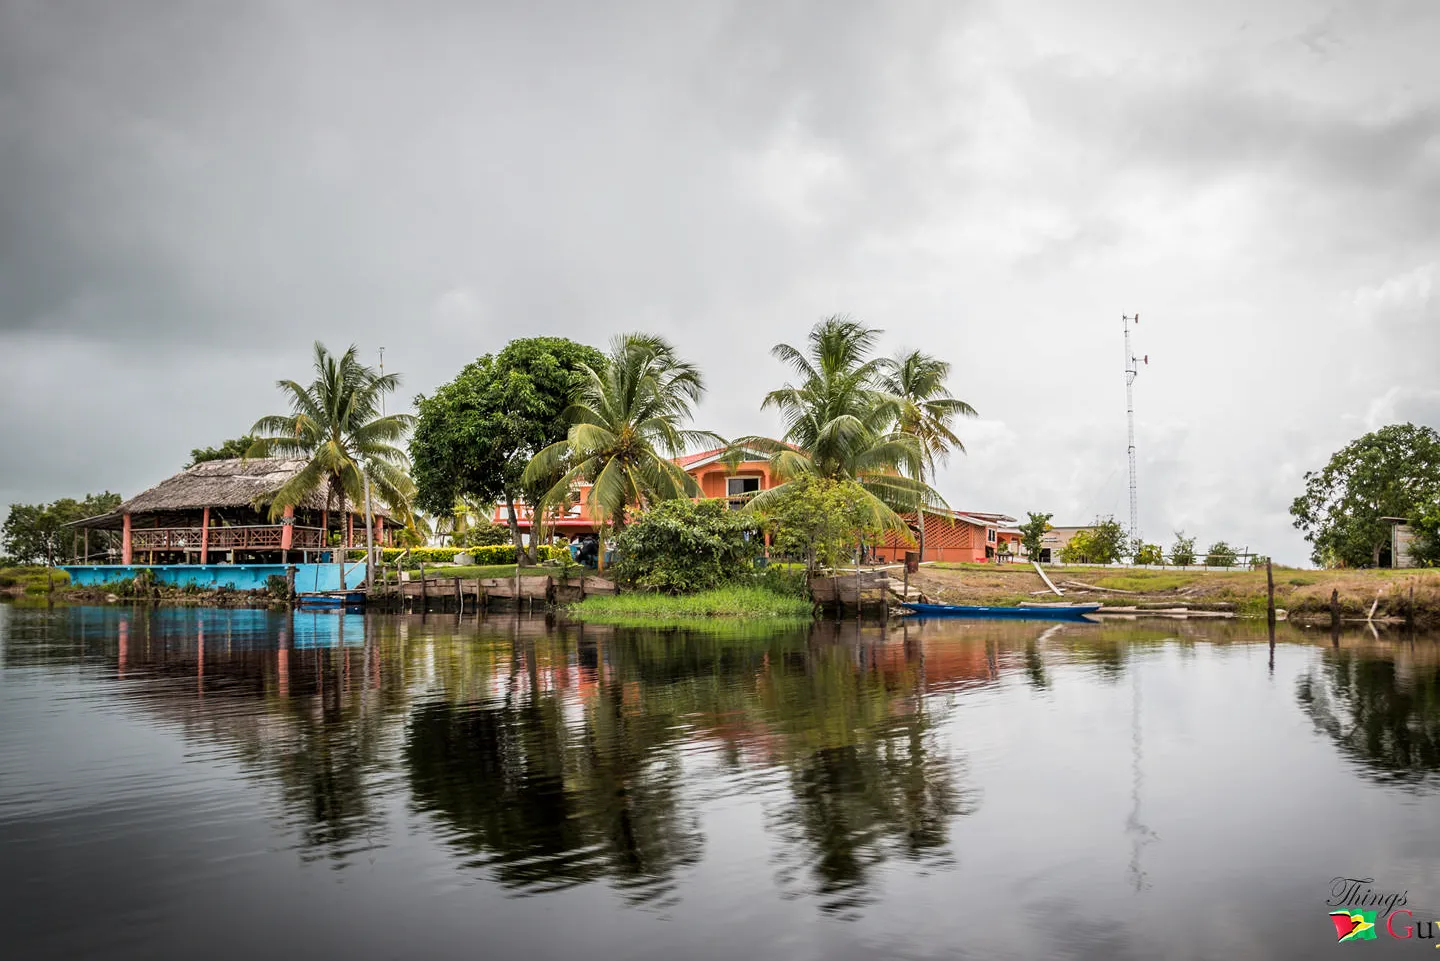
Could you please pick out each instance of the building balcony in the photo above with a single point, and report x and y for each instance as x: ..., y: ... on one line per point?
x: 258, y: 537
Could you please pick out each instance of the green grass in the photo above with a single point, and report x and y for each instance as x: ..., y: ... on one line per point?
x: 471, y: 572
x: 31, y: 580
x: 736, y: 602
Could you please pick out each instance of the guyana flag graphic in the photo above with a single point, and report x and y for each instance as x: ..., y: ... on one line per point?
x: 1353, y: 924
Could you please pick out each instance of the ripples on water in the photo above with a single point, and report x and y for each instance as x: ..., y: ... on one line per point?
x: 235, y: 782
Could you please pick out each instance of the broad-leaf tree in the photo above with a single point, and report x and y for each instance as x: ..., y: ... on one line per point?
x: 228, y: 450
x: 36, y: 533
x: 475, y: 435
x: 840, y: 424
x: 1391, y: 472
x: 628, y: 420
x: 335, y: 426
x: 1032, y: 533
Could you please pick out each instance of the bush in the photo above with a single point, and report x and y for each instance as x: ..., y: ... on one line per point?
x: 1183, y: 553
x: 482, y: 535
x: 1220, y: 554
x: 1103, y: 543
x: 681, y: 546
x: 819, y: 520
x: 1149, y: 554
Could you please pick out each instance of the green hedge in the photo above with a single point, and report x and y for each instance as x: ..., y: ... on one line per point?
x: 490, y: 554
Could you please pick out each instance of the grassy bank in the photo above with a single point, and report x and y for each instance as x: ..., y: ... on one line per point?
x: 730, y: 602
x: 1305, y: 594
x: 31, y: 580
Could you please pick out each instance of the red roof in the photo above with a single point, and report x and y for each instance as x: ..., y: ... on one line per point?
x: 689, y: 459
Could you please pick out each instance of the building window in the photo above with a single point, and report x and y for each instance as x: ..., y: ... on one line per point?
x: 740, y: 486
x: 989, y: 535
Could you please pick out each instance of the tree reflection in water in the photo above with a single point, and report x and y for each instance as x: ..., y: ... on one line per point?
x: 549, y: 791
x: 1381, y: 706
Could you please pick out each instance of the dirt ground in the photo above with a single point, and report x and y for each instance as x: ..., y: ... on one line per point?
x: 1303, y: 594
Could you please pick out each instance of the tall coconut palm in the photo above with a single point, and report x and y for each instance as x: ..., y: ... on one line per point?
x: 627, y: 423
x: 926, y: 411
x: 336, y: 427
x: 840, y: 424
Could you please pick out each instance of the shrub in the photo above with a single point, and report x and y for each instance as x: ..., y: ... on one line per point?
x: 1103, y: 543
x: 819, y: 520
x: 1149, y: 554
x: 483, y: 534
x: 1220, y: 554
x: 1183, y: 553
x: 680, y: 546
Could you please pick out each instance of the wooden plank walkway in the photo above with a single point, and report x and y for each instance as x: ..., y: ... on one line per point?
x: 434, y: 592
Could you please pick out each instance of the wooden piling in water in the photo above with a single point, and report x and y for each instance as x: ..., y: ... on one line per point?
x: 1335, y: 607
x: 1270, y: 596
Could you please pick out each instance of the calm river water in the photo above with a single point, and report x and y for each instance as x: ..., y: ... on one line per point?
x: 242, y: 784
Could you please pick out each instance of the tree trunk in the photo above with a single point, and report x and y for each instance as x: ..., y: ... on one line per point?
x: 921, y: 514
x: 341, y: 551
x: 514, y: 523
x: 369, y: 537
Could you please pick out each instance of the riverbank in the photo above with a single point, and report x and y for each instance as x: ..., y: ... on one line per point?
x: 40, y: 584
x: 724, y: 602
x: 1304, y: 595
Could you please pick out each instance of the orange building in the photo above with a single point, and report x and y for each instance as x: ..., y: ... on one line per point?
x: 953, y: 536
x: 949, y: 535
x: 716, y: 478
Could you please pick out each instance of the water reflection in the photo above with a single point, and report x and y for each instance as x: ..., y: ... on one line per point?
x: 546, y: 756
x: 1381, y: 706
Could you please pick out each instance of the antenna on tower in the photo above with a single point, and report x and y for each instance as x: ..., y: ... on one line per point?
x: 1131, y: 372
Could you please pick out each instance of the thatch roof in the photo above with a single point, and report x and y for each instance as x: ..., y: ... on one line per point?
x: 226, y: 483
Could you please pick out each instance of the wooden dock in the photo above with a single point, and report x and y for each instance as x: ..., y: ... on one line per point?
x: 526, y: 591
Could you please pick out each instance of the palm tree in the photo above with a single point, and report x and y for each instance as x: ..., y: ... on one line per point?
x: 927, y: 410
x: 840, y: 424
x: 336, y: 427
x: 626, y: 426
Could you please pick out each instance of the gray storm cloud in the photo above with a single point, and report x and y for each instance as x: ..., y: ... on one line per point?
x: 189, y: 195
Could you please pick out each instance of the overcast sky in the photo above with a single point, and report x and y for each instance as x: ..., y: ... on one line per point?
x: 191, y: 193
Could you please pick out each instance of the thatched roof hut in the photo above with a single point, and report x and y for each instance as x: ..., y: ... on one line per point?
x: 224, y: 483
x: 245, y: 484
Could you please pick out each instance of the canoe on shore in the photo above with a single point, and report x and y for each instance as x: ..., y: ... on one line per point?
x: 1069, y: 612
x: 332, y: 599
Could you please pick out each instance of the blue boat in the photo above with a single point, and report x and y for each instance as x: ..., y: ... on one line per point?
x: 1068, y: 612
x: 332, y: 599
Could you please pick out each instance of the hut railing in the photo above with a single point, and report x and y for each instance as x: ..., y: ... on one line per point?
x: 244, y: 537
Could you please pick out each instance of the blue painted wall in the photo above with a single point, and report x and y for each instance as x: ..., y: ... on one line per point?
x: 242, y: 577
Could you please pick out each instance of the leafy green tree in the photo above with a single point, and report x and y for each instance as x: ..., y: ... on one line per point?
x: 475, y: 435
x: 336, y: 427
x: 820, y: 520
x: 1425, y: 548
x: 1104, y: 542
x: 841, y: 425
x: 681, y: 545
x: 1391, y: 472
x: 231, y: 449
x: 627, y: 425
x: 1032, y: 533
x: 36, y: 533
x: 1220, y: 554
x: 1183, y: 553
x: 1149, y: 554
